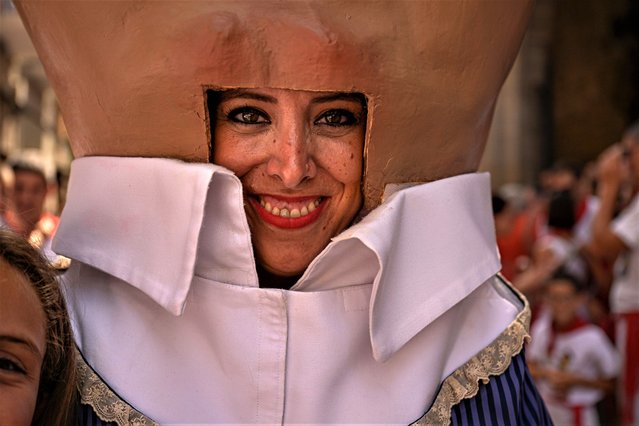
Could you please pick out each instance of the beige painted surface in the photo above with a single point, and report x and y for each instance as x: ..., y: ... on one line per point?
x: 130, y: 76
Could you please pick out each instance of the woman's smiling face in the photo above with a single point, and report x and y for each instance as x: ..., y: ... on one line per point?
x: 22, y: 346
x: 299, y: 157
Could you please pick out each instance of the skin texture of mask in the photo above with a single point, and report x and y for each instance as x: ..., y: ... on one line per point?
x: 131, y: 76
x: 299, y: 157
x: 22, y: 347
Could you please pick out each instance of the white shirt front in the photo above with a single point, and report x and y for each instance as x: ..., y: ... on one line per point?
x: 167, y: 308
x: 624, y: 294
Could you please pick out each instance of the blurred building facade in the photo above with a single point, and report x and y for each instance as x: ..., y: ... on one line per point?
x: 31, y: 127
x: 572, y: 91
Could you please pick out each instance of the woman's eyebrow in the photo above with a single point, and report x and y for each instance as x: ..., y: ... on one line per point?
x: 246, y: 94
x: 341, y: 96
x: 21, y: 341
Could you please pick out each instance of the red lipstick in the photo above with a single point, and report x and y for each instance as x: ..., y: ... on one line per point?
x: 288, y: 222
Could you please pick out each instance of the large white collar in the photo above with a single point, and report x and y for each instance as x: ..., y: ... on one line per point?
x: 155, y: 223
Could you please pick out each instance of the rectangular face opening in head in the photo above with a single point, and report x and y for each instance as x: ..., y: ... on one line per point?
x: 299, y: 155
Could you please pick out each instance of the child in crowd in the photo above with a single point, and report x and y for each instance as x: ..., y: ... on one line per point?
x: 37, y: 358
x: 572, y: 360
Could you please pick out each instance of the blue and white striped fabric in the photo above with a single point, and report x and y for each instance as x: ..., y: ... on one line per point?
x: 508, y: 399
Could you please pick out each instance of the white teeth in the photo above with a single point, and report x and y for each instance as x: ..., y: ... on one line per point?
x: 293, y: 213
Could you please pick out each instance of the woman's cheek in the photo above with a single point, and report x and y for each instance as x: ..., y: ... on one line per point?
x: 17, y: 405
x: 342, y: 163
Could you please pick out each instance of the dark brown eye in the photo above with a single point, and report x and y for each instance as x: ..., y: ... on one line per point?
x: 246, y: 115
x: 10, y: 366
x: 337, y: 117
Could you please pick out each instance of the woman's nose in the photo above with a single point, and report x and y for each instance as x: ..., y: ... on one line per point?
x: 291, y: 160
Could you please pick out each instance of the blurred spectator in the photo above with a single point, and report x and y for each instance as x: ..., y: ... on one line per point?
x: 600, y: 268
x: 559, y: 241
x: 504, y: 219
x: 518, y: 228
x: 618, y: 240
x: 503, y: 213
x: 6, y: 186
x: 29, y: 218
x: 587, y: 204
x: 573, y: 362
x: 562, y: 176
x: 553, y: 250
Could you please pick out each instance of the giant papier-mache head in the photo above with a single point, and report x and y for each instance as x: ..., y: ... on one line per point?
x: 132, y: 76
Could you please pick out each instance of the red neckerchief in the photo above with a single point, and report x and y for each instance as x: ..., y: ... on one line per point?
x: 555, y: 331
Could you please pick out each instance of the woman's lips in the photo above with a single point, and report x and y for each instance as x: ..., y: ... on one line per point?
x: 288, y: 212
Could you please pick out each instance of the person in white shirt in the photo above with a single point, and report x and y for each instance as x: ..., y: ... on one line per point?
x: 573, y: 361
x: 274, y: 216
x: 618, y: 238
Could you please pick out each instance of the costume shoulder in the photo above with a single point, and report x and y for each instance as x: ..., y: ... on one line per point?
x: 495, y: 385
x: 100, y: 405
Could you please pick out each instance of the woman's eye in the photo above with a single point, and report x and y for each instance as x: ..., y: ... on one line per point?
x: 337, y: 117
x: 248, y: 116
x: 10, y: 366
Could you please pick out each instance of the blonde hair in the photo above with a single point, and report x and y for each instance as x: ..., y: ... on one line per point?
x: 57, y: 392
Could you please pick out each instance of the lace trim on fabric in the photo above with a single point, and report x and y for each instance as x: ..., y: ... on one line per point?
x: 105, y: 403
x: 493, y: 360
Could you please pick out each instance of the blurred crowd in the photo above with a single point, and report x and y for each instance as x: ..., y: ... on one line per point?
x: 24, y: 191
x: 571, y: 245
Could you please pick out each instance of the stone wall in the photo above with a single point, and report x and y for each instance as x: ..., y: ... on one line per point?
x: 595, y: 75
x: 572, y: 91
